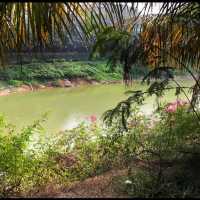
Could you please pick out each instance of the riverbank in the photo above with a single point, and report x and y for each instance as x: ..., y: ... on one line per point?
x: 54, y: 73
x: 39, y: 75
x: 62, y: 83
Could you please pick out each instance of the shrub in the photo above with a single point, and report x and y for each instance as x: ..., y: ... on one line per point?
x: 59, y: 69
x: 15, y: 83
x: 139, y: 71
x: 81, y: 142
x: 32, y: 82
x: 21, y: 168
x: 162, y: 156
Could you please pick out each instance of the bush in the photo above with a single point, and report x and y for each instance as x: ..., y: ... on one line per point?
x: 58, y: 69
x: 32, y: 82
x: 162, y: 155
x: 15, y: 83
x: 82, y: 142
x: 21, y: 168
x: 139, y: 71
x: 11, y: 73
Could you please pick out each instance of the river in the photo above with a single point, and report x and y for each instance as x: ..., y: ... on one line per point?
x: 68, y: 106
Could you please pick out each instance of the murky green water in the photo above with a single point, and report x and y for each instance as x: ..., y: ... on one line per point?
x: 67, y: 106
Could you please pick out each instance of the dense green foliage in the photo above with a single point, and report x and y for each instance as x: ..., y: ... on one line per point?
x: 170, y: 150
x: 21, y: 169
x: 41, y: 71
x: 52, y: 70
x: 58, y: 69
x: 162, y: 155
x: 167, y: 144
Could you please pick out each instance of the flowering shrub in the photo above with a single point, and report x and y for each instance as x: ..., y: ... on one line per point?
x: 172, y: 107
x: 21, y: 168
x: 91, y: 149
x: 92, y: 118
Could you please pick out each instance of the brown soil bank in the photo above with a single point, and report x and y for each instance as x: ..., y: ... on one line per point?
x: 53, y: 84
x: 94, y: 187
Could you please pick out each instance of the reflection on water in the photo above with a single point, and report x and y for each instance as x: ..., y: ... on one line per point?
x: 68, y: 106
x: 71, y: 122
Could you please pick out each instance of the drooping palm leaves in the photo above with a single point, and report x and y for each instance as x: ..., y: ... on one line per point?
x: 173, y: 39
x: 118, y: 46
x: 37, y: 25
x: 169, y: 39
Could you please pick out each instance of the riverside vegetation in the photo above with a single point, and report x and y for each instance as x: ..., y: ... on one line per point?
x: 160, y: 152
x: 157, y: 151
x: 63, y: 73
x: 159, y: 155
x: 51, y: 72
x: 38, y: 72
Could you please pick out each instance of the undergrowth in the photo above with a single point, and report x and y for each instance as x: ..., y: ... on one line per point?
x: 44, y: 71
x: 161, y: 153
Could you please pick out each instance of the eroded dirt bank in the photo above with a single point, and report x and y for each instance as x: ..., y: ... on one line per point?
x: 63, y: 83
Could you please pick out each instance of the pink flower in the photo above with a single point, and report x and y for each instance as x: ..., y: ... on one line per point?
x: 172, y: 107
x: 92, y: 118
x: 181, y: 102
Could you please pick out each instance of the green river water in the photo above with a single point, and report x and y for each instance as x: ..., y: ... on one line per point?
x: 68, y: 106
